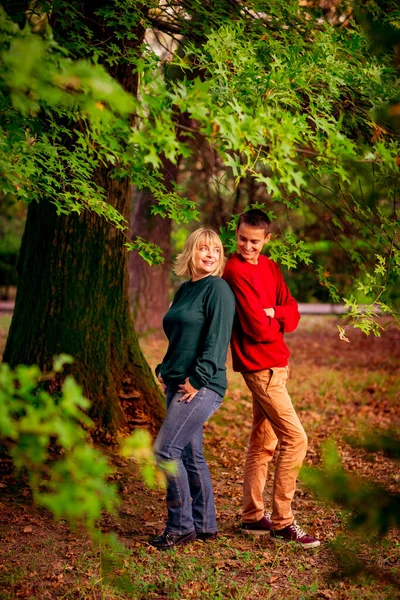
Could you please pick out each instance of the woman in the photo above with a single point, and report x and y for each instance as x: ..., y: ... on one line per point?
x: 193, y: 375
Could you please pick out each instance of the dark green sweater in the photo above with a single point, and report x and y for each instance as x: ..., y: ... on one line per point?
x: 198, y: 327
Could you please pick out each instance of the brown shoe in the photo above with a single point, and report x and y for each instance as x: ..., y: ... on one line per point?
x: 260, y: 527
x: 293, y: 533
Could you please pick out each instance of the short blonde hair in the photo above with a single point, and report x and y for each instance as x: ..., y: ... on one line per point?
x: 184, y: 261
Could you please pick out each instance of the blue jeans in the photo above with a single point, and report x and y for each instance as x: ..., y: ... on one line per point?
x: 190, y: 496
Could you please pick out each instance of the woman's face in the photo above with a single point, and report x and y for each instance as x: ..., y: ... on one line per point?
x: 206, y: 259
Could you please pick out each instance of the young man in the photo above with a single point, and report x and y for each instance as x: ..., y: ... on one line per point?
x: 265, y: 310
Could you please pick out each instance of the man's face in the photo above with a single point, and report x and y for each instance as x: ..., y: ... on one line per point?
x: 250, y: 242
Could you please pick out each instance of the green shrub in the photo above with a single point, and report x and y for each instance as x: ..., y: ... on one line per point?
x: 74, y: 486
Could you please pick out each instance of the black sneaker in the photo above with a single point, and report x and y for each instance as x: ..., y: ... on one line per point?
x: 260, y: 527
x: 293, y: 533
x: 169, y: 540
x: 205, y: 536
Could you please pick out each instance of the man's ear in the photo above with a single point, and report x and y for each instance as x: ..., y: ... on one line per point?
x: 267, y: 238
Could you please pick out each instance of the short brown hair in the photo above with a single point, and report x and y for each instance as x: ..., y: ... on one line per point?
x: 184, y: 261
x: 255, y: 218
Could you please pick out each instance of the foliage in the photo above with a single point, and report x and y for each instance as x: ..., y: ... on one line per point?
x: 306, y: 149
x: 295, y: 105
x: 139, y: 446
x: 372, y: 510
x: 74, y: 487
x: 387, y: 442
x: 37, y: 94
x: 63, y: 118
x: 281, y: 95
x: 372, y: 507
x: 150, y: 252
x: 35, y: 425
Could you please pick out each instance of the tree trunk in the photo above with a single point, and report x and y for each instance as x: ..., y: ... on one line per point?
x: 72, y: 294
x: 72, y: 297
x: 149, y: 286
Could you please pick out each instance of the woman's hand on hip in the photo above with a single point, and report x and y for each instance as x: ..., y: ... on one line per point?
x: 187, y: 390
x: 161, y: 380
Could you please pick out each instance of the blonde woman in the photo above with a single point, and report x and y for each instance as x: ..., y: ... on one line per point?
x: 193, y: 375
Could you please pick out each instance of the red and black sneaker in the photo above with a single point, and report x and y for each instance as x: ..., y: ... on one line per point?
x: 258, y: 527
x: 294, y: 533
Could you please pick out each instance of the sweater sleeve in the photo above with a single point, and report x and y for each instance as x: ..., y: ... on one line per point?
x: 250, y: 312
x: 286, y: 309
x: 219, y: 310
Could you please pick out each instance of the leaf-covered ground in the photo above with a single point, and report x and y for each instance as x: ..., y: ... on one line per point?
x: 336, y: 388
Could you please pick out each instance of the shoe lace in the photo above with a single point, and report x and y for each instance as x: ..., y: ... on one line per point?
x: 299, y: 531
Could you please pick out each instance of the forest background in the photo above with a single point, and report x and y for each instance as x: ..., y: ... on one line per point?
x: 124, y: 126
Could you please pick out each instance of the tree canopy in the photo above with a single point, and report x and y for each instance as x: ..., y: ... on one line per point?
x: 305, y: 107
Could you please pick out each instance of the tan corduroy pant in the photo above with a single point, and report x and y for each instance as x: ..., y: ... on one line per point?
x: 274, y: 419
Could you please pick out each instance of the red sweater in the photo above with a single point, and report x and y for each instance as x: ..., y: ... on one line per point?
x: 257, y: 340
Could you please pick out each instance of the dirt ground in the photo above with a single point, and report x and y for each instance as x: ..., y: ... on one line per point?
x: 337, y: 388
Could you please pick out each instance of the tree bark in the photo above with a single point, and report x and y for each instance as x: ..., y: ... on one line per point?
x: 149, y: 286
x: 72, y: 297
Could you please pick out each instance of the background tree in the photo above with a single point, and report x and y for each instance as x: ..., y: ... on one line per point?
x: 148, y: 285
x: 12, y: 219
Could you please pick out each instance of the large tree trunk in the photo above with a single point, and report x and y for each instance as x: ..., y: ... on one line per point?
x: 149, y: 286
x: 72, y: 294
x: 72, y: 297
